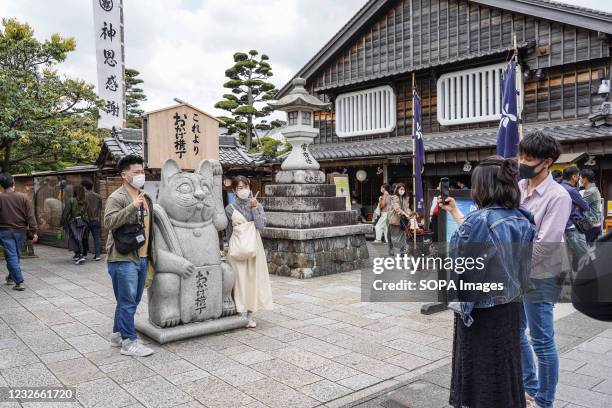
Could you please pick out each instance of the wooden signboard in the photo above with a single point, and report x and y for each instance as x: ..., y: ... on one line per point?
x: 180, y: 132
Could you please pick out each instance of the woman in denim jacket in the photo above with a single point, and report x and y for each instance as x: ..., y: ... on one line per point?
x: 498, y: 236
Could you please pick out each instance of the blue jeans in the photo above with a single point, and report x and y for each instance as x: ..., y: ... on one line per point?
x: 537, y: 314
x: 96, y: 232
x: 13, y: 242
x: 128, y: 284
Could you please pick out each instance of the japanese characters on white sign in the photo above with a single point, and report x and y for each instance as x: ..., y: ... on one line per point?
x: 109, y: 57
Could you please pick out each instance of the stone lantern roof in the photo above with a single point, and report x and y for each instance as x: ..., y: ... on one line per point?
x: 299, y: 98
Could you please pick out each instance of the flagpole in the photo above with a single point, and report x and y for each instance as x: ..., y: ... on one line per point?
x: 518, y: 78
x: 414, y: 205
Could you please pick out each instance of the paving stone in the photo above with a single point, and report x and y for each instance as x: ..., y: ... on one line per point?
x: 252, y: 357
x: 286, y: 373
x: 72, y: 329
x: 238, y: 375
x: 10, y: 343
x: 325, y: 390
x: 359, y: 381
x: 582, y: 397
x: 214, y: 393
x: 156, y: 392
x: 31, y: 375
x: 300, y: 358
x: 320, y: 347
x: 17, y: 356
x: 232, y: 351
x: 335, y: 371
x: 370, y: 366
x: 579, y: 380
x: 419, y: 350
x: 268, y: 390
x: 127, y: 371
x: 604, y: 387
x: 107, y: 356
x: 168, y: 368
x: 92, y: 393
x: 44, y: 341
x: 407, y: 361
x: 74, y: 371
x: 282, y: 333
x: 187, y: 376
x: 88, y: 343
x: 60, y: 356
x: 211, y: 360
x: 264, y: 343
x: 599, y: 345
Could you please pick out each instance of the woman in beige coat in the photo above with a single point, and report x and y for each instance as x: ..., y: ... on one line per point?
x: 252, y: 289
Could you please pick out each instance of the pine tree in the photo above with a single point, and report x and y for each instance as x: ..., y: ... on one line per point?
x: 248, y: 82
x: 133, y: 96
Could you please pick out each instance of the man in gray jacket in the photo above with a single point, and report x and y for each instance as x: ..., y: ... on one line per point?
x: 129, y: 271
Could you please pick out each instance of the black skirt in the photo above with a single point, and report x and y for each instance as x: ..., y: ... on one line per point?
x: 487, y: 360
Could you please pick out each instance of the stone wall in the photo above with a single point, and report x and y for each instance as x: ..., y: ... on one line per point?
x: 316, y: 257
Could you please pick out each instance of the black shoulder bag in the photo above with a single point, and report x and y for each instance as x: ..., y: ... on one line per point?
x: 130, y: 237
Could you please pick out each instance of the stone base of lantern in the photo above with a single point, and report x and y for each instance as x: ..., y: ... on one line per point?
x: 300, y: 177
x: 310, y: 233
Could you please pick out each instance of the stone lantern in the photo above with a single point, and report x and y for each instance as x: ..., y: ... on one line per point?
x: 300, y: 166
x: 310, y: 231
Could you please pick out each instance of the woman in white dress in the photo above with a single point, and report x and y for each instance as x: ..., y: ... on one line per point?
x: 246, y: 253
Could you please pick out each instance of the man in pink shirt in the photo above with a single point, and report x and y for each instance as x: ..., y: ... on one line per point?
x: 550, y: 205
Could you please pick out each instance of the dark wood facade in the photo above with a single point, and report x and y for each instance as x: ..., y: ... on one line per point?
x: 447, y: 35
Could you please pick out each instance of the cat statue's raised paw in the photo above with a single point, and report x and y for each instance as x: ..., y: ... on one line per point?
x: 191, y: 282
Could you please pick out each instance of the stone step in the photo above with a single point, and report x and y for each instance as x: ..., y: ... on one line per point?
x: 303, y: 204
x: 300, y: 190
x: 315, y: 233
x: 310, y: 219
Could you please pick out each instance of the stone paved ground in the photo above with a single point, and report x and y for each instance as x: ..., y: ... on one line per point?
x: 320, y: 346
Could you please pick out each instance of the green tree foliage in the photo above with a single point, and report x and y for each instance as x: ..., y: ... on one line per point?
x: 133, y: 96
x: 250, y: 89
x: 46, y: 120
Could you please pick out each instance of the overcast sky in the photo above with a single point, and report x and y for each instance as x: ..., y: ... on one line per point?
x: 182, y: 47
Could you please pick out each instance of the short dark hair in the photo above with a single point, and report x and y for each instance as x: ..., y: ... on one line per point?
x: 588, y: 174
x: 88, y: 184
x: 386, y: 186
x: 556, y: 174
x: 570, y: 172
x: 540, y: 146
x: 240, y: 179
x: 6, y: 180
x: 126, y: 161
x: 494, y: 183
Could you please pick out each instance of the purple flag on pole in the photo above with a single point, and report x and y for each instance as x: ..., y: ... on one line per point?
x: 508, y: 132
x: 419, y: 153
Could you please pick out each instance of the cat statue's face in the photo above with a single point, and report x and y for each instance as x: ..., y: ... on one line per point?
x: 186, y: 196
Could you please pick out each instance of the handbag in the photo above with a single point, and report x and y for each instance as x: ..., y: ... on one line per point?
x: 130, y: 237
x: 243, y: 242
x: 583, y: 224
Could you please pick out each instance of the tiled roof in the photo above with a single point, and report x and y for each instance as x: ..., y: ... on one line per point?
x: 566, y: 131
x: 129, y: 141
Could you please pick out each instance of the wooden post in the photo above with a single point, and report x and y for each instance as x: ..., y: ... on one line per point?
x: 414, y: 205
x: 518, y: 80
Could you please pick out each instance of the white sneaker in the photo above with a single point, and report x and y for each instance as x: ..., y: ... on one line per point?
x: 134, y: 348
x: 115, y: 340
x: 251, y: 324
x: 80, y: 261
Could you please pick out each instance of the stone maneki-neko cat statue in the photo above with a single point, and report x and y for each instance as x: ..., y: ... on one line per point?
x: 191, y: 282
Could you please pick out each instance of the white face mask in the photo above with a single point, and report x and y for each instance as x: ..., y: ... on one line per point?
x: 244, y: 193
x: 401, y: 192
x: 138, y: 181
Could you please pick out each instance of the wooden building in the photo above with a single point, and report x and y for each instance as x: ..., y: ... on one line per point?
x: 457, y: 50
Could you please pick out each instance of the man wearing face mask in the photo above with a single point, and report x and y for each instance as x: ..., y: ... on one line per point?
x: 128, y: 205
x: 550, y: 205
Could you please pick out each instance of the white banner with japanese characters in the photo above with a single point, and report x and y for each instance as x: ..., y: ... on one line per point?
x: 109, y: 58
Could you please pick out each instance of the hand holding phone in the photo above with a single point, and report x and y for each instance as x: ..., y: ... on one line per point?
x: 444, y: 189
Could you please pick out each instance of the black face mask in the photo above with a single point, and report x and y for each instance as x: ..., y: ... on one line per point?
x: 528, y: 172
